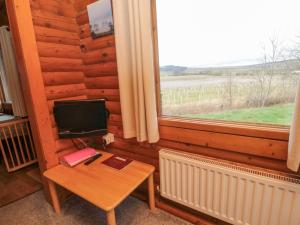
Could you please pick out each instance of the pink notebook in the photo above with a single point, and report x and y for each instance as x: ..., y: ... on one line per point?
x: 78, y: 156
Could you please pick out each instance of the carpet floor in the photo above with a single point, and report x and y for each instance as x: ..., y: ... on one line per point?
x: 17, y: 185
x: 34, y: 210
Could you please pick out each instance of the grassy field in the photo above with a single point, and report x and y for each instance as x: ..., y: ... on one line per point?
x: 276, y: 114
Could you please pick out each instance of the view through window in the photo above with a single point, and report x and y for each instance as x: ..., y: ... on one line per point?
x: 229, y: 60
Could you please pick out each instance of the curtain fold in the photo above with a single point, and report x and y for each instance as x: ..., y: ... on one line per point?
x: 10, y: 79
x: 294, y: 139
x: 2, y: 88
x: 135, y: 59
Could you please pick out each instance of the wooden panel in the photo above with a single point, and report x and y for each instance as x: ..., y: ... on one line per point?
x: 101, y: 69
x: 106, y: 97
x: 89, y: 44
x: 99, y: 56
x: 107, y: 82
x: 244, y: 158
x: 64, y: 91
x: 52, y: 64
x: 256, y: 146
x: 254, y: 130
x: 114, y: 107
x: 115, y: 119
x: 62, y: 144
x: 50, y: 35
x: 62, y: 8
x: 103, y: 92
x: 82, y: 17
x: 60, y: 78
x: 50, y: 20
x: 84, y: 31
x: 59, y: 50
x: 135, y: 148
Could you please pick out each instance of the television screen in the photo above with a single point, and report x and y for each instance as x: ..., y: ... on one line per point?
x: 80, y: 118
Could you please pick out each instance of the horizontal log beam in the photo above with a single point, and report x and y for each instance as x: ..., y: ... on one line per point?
x: 58, y: 50
x: 99, y: 56
x: 251, y: 130
x: 50, y: 35
x: 62, y: 8
x: 85, y: 31
x: 50, y: 20
x: 135, y: 148
x: 52, y: 64
x: 113, y: 107
x: 106, y: 82
x: 63, y: 144
x: 103, y: 92
x: 247, y: 159
x: 101, y: 69
x: 61, y: 78
x: 249, y: 145
x: 64, y: 91
x: 89, y: 44
x: 82, y: 17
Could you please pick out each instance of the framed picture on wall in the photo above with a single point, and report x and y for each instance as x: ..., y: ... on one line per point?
x: 101, y: 18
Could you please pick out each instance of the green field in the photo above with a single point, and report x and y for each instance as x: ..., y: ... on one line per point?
x: 276, y: 114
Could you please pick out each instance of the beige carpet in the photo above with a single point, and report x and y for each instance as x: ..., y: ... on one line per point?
x: 34, y: 210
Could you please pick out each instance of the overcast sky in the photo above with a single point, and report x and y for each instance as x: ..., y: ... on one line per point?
x: 223, y: 32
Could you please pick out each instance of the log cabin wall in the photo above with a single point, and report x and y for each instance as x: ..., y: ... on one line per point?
x: 58, y: 42
x: 75, y: 66
x: 264, y: 148
x: 101, y: 80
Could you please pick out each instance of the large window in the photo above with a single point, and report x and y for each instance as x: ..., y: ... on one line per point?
x: 229, y: 60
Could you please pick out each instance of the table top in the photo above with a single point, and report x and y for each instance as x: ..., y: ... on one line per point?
x: 100, y: 184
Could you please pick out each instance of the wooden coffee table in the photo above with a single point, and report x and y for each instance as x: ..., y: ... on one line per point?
x: 103, y: 186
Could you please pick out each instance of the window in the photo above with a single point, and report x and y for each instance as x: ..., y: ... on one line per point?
x: 229, y: 60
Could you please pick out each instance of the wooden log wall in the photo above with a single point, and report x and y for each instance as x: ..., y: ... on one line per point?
x: 58, y: 42
x: 264, y: 149
x: 75, y: 66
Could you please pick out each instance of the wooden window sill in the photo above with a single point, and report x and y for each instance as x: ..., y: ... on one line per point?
x: 275, y: 132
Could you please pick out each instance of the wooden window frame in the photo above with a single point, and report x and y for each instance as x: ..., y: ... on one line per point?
x: 278, y: 132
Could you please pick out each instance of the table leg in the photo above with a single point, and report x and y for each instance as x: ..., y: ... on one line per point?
x: 151, y: 195
x: 110, y: 217
x: 54, y: 197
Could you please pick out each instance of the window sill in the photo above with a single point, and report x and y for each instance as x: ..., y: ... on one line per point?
x: 275, y: 132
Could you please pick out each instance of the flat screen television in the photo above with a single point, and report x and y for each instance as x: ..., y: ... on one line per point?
x: 80, y: 118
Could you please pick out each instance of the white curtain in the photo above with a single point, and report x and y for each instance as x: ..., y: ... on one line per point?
x: 3, y: 89
x: 10, y: 79
x: 134, y: 46
x: 294, y: 139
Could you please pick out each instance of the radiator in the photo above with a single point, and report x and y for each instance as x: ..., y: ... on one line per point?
x: 234, y: 194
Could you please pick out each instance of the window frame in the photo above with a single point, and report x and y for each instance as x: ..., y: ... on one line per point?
x: 268, y: 131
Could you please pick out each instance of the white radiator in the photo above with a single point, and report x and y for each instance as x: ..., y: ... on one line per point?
x: 237, y: 195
